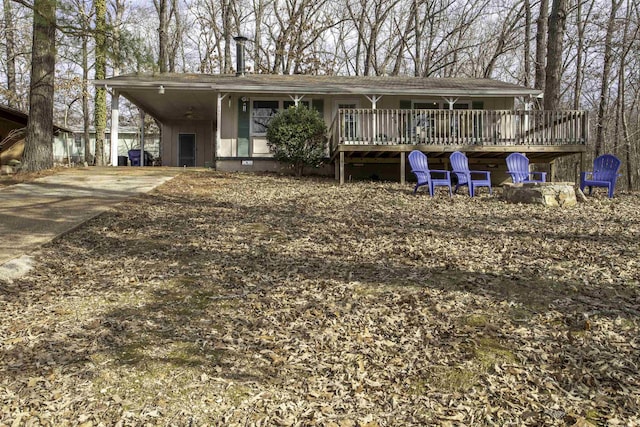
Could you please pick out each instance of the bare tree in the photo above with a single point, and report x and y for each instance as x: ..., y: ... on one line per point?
x: 527, y: 42
x: 607, y: 64
x: 508, y: 39
x: 10, y: 47
x: 117, y: 17
x: 38, y: 148
x: 582, y: 19
x: 553, y: 70
x: 622, y: 127
x: 541, y: 44
x: 163, y: 34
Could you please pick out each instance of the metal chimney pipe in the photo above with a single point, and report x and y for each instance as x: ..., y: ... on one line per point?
x: 240, y: 67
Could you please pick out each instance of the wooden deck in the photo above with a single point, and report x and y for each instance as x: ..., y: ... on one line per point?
x: 366, y: 137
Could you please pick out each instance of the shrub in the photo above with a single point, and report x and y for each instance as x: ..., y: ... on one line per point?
x: 297, y: 136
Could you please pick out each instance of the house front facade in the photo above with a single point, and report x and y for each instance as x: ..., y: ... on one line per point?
x: 220, y: 121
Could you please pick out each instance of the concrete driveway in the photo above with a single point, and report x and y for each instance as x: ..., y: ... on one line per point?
x: 35, y: 212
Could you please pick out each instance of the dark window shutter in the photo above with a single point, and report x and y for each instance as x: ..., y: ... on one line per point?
x: 244, y: 125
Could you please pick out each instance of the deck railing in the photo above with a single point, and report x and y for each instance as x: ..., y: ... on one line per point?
x: 458, y: 127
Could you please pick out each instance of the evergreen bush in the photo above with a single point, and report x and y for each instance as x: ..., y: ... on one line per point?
x: 297, y: 136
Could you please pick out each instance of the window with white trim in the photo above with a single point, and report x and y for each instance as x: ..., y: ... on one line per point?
x: 261, y: 114
x: 262, y: 111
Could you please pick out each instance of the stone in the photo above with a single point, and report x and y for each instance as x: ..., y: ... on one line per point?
x: 561, y: 194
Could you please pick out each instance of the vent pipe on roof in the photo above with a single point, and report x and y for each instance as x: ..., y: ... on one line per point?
x: 240, y: 67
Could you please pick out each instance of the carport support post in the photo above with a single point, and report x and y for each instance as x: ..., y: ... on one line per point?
x: 216, y: 143
x: 141, y: 138
x: 115, y: 118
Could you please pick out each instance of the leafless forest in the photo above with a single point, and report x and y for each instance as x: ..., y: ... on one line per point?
x: 597, y: 43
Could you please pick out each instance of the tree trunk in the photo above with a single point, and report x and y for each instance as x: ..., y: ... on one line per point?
x: 606, y: 73
x: 541, y: 44
x: 555, y: 43
x: 86, y: 119
x: 100, y: 108
x: 577, y: 86
x: 226, y: 34
x: 38, y: 148
x: 527, y: 44
x: 257, y: 43
x: 119, y: 6
x: 10, y: 47
x: 163, y: 36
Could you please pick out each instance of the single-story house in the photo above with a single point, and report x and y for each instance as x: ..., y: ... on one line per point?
x: 221, y: 120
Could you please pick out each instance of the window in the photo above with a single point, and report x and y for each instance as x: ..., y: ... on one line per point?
x: 262, y: 113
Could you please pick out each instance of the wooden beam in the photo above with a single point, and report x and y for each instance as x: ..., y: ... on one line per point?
x: 402, y: 167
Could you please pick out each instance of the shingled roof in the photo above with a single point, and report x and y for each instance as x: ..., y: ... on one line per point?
x: 335, y: 85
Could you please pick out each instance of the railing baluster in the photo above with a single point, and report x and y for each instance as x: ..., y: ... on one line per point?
x: 458, y: 127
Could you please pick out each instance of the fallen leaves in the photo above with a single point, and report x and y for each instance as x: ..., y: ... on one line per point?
x: 230, y: 299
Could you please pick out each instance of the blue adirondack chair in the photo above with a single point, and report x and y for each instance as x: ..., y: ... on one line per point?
x: 604, y: 174
x: 471, y: 178
x: 420, y: 168
x: 518, y: 168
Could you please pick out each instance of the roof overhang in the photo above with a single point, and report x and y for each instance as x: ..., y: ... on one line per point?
x: 20, y: 118
x: 171, y: 96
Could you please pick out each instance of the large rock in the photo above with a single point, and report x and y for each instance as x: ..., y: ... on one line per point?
x: 542, y: 193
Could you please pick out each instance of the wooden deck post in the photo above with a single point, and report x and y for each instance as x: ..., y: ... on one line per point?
x: 403, y: 166
x: 341, y: 167
x: 552, y: 170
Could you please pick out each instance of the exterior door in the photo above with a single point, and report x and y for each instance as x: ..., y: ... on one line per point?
x: 187, y: 149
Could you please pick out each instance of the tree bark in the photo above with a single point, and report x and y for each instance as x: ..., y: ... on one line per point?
x: 38, y: 148
x: 606, y: 73
x: 527, y: 45
x: 100, y: 107
x: 541, y: 44
x: 555, y: 43
x: 86, y: 118
x: 163, y: 35
x: 10, y: 47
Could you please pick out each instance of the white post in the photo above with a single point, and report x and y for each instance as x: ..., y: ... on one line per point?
x: 115, y: 118
x: 374, y: 105
x: 525, y: 124
x: 296, y: 99
x: 221, y: 97
x: 142, y: 137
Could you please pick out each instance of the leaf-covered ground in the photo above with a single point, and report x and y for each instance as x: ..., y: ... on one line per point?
x: 229, y: 299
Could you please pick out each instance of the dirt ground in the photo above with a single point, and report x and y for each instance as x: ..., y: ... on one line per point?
x: 260, y: 300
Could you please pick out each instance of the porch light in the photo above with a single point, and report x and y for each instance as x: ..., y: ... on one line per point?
x: 161, y: 90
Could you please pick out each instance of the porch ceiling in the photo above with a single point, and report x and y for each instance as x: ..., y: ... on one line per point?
x: 174, y: 105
